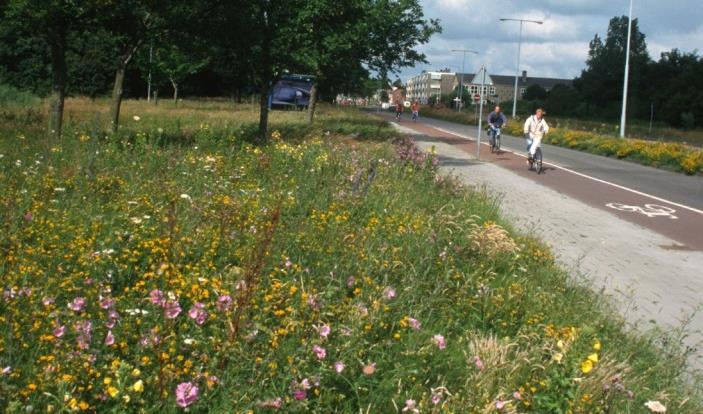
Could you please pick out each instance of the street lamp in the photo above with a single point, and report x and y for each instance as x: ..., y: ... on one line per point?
x: 627, y: 73
x: 463, y: 60
x: 519, y: 44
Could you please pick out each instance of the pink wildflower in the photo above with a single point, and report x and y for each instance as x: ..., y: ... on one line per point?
x: 324, y: 330
x: 107, y: 303
x: 319, y: 351
x: 300, y: 395
x: 224, y: 303
x: 77, y: 304
x: 109, y: 338
x: 186, y: 394
x: 172, y: 309
x: 198, y: 313
x: 59, y: 331
x: 478, y: 363
x: 156, y: 297
x: 339, y: 367
x: 389, y: 293
x: 351, y: 281
x: 411, y: 406
x: 439, y: 341
x: 414, y: 323
x: 500, y: 404
x: 517, y: 395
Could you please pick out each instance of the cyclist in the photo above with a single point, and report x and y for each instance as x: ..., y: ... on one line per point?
x: 535, y: 128
x: 398, y: 110
x: 415, y: 108
x: 496, y: 120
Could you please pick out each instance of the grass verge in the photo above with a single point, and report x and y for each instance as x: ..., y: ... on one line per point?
x: 321, y: 274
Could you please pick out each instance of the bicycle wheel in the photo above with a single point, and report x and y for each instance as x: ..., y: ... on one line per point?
x: 497, y: 143
x: 538, y: 160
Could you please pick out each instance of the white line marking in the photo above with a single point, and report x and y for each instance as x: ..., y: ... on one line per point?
x: 649, y: 210
x: 621, y: 187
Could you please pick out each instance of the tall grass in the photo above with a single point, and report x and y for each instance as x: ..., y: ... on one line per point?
x: 13, y: 97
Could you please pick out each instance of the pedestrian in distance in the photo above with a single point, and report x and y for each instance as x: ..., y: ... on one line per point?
x: 415, y: 108
x: 398, y: 110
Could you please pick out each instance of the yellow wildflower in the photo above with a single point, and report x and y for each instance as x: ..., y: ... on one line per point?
x: 138, y: 386
x: 586, y: 366
x: 113, y: 391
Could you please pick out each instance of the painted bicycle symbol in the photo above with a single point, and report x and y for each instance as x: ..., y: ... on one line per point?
x: 649, y: 210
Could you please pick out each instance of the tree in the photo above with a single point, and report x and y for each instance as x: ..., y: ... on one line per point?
x: 135, y: 22
x: 176, y: 63
x: 535, y: 93
x: 53, y: 21
x: 337, y: 38
x: 562, y: 100
x: 327, y: 38
x: 602, y: 80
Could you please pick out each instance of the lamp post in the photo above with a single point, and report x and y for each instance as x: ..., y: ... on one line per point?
x: 627, y: 73
x: 519, y: 45
x: 480, y: 115
x: 463, y: 61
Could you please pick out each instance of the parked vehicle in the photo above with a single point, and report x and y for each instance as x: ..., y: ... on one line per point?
x: 291, y: 91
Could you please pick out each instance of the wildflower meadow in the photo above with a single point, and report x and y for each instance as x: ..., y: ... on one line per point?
x: 178, y: 266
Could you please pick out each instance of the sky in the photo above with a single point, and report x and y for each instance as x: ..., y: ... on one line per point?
x: 557, y: 48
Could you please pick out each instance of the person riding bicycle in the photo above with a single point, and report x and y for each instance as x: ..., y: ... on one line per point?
x: 535, y: 128
x: 496, y: 120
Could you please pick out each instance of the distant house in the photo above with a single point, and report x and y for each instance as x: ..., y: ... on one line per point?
x: 500, y: 88
x: 426, y: 85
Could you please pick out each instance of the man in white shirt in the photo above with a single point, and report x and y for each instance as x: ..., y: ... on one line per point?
x: 535, y: 128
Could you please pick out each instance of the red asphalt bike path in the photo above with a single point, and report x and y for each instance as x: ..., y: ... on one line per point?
x: 678, y: 222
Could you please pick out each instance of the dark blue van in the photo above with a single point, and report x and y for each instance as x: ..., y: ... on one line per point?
x: 291, y: 91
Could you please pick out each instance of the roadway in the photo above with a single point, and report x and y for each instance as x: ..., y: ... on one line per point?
x: 666, y: 202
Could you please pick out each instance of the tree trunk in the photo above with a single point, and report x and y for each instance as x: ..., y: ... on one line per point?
x: 263, y: 112
x: 117, y: 88
x: 175, y: 91
x: 117, y: 97
x: 58, y: 86
x: 312, y: 103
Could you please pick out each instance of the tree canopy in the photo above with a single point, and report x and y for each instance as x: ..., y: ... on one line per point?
x: 243, y: 46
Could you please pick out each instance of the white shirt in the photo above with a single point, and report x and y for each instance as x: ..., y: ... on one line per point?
x: 536, y: 127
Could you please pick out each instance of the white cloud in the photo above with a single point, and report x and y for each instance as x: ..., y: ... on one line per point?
x: 557, y: 48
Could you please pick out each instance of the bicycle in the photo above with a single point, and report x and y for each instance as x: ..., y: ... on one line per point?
x: 495, y: 139
x: 535, y: 161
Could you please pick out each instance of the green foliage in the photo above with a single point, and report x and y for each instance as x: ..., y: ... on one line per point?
x: 601, y: 82
x: 535, y: 93
x: 562, y: 100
